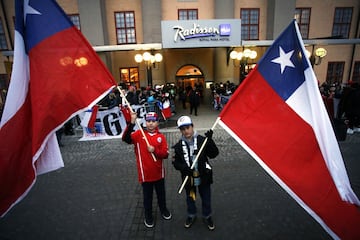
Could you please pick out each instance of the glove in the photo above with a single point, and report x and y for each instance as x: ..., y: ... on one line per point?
x: 188, y: 172
x: 209, y: 134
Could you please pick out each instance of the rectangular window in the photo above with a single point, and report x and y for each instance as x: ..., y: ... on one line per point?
x: 3, y: 43
x: 187, y: 14
x: 356, y: 72
x: 130, y: 76
x: 75, y: 19
x: 302, y: 17
x: 125, y: 27
x: 335, y: 72
x: 249, y: 23
x: 342, y: 22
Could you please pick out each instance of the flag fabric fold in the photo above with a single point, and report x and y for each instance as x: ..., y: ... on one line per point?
x: 56, y: 74
x: 165, y: 108
x: 278, y: 116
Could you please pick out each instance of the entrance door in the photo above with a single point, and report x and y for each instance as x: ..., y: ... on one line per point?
x: 190, y: 76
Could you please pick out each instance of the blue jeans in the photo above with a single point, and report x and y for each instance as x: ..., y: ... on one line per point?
x: 205, y: 194
x: 148, y: 195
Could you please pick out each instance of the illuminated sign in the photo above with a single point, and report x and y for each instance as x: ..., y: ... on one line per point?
x: 201, y: 33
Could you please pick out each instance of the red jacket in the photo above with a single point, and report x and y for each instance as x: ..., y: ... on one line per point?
x: 148, y: 169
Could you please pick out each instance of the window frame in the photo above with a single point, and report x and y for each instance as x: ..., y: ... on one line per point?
x: 249, y: 25
x: 301, y: 24
x: 127, y: 80
x: 71, y: 16
x: 187, y: 10
x: 128, y: 30
x: 341, y: 25
x: 356, y: 72
x: 3, y: 41
x: 331, y: 74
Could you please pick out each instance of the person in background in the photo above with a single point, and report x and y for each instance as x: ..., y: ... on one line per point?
x: 194, y: 100
x: 151, y: 172
x: 201, y: 176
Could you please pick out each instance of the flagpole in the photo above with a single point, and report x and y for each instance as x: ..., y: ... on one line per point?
x: 198, y: 155
x: 137, y: 122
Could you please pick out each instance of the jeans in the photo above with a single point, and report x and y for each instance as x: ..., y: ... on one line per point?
x: 205, y: 194
x: 148, y: 195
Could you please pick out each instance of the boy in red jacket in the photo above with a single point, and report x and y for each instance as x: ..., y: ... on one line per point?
x: 151, y: 172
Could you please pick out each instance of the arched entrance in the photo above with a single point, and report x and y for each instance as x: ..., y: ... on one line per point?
x: 189, y: 76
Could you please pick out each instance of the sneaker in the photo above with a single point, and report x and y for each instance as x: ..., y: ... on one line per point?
x: 149, y: 222
x: 350, y: 131
x: 189, y: 221
x: 210, y: 224
x: 166, y: 215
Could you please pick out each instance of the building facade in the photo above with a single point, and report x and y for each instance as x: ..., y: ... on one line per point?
x: 120, y: 29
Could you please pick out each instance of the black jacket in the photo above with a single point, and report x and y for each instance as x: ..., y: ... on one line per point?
x: 209, y: 151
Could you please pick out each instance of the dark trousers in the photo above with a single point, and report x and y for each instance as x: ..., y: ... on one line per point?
x: 193, y: 107
x: 148, y: 189
x: 205, y: 194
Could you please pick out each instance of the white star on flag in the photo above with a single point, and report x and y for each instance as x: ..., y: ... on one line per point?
x: 29, y: 10
x: 284, y: 59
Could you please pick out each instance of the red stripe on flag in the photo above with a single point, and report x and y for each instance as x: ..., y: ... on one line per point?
x: 16, y: 169
x: 287, y: 145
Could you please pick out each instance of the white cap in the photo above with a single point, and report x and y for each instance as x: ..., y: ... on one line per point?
x: 184, y: 121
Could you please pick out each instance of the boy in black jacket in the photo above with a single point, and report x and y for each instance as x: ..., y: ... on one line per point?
x: 201, y: 175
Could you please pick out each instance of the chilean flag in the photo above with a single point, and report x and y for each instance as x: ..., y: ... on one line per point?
x: 56, y: 74
x: 165, y: 109
x: 278, y: 116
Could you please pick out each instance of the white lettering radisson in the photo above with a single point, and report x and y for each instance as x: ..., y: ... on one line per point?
x: 194, y: 32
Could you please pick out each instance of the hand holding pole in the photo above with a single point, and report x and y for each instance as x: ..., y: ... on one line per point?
x: 197, y: 156
x: 137, y: 122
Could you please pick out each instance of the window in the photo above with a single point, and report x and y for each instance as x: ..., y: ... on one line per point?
x: 125, y: 27
x: 356, y: 72
x: 187, y: 14
x: 75, y: 19
x: 342, y: 21
x: 130, y: 76
x: 302, y: 17
x: 3, y: 43
x: 335, y: 72
x: 249, y: 23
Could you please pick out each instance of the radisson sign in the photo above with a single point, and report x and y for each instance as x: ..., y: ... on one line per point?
x: 201, y: 33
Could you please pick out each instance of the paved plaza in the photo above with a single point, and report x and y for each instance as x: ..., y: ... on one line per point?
x: 97, y: 196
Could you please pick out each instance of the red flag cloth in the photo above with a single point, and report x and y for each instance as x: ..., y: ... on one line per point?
x: 278, y: 116
x: 56, y: 74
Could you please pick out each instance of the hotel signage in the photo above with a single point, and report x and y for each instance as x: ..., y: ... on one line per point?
x: 201, y: 33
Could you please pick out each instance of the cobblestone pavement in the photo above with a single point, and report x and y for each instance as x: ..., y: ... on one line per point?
x: 97, y: 196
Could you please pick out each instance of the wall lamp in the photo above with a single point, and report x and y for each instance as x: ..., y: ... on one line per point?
x: 316, y: 56
x: 149, y: 59
x: 243, y: 58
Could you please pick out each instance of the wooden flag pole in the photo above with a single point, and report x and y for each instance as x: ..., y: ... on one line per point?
x: 137, y: 122
x: 197, y: 156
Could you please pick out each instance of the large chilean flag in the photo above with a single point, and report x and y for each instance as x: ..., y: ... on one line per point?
x: 278, y: 116
x: 56, y: 74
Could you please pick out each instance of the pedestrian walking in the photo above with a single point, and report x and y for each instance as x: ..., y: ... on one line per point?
x: 149, y: 153
x: 201, y: 176
x: 194, y: 100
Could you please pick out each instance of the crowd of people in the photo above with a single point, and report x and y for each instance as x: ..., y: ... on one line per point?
x: 343, y: 103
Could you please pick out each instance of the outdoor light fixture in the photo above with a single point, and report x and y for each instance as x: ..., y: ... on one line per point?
x: 315, y: 59
x: 243, y: 58
x: 150, y: 61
